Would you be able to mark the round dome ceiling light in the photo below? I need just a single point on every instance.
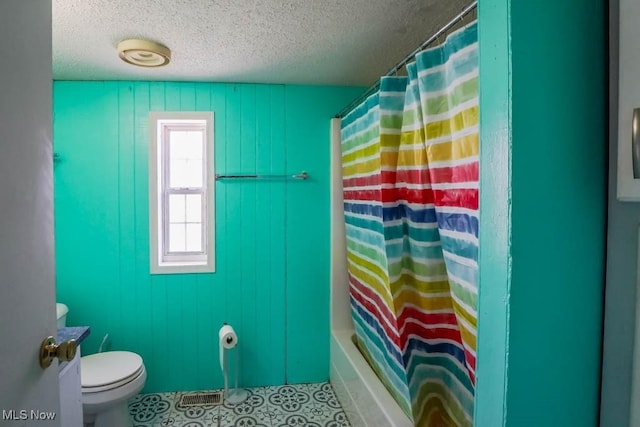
(143, 53)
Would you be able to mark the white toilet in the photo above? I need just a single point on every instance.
(109, 379)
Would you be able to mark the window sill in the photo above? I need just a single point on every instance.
(182, 268)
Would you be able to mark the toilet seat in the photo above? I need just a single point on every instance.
(109, 370)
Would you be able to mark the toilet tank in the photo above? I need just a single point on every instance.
(61, 314)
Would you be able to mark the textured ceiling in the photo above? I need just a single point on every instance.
(338, 42)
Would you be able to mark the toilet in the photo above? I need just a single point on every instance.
(108, 380)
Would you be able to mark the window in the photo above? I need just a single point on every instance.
(181, 192)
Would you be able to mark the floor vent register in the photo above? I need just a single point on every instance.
(201, 399)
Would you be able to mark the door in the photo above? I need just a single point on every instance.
(28, 393)
(629, 103)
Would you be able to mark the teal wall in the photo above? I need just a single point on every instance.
(272, 244)
(543, 204)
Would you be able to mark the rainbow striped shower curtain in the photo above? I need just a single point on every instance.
(410, 178)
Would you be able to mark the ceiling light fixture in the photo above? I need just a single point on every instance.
(144, 53)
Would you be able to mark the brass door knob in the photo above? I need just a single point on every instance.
(65, 351)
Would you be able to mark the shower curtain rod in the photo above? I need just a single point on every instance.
(346, 110)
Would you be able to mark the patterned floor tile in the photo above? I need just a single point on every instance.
(287, 398)
(325, 394)
(309, 405)
(305, 404)
(252, 412)
(339, 420)
(148, 409)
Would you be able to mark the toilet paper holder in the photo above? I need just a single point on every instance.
(228, 341)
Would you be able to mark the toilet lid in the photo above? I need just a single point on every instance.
(111, 368)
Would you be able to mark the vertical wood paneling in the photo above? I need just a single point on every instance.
(219, 288)
(160, 359)
(175, 326)
(247, 230)
(266, 231)
(124, 178)
(233, 208)
(111, 110)
(203, 308)
(140, 255)
(188, 369)
(308, 319)
(277, 234)
(269, 286)
(263, 199)
(104, 213)
(307, 230)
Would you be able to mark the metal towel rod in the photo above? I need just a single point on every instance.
(302, 175)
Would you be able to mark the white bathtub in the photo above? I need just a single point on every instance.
(364, 398)
(362, 395)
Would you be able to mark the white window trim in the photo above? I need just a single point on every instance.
(177, 266)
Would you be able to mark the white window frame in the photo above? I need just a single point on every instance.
(163, 261)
